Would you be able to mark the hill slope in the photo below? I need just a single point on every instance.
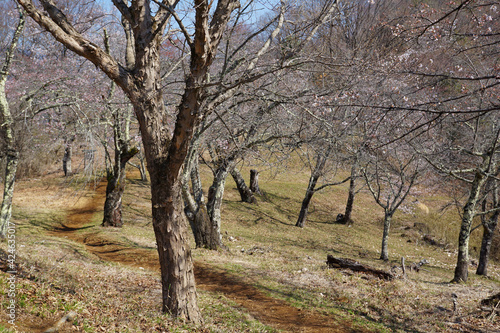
(271, 266)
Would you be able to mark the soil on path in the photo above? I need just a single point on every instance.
(270, 311)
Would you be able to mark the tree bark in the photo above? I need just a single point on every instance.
(68, 152)
(489, 226)
(195, 206)
(484, 254)
(461, 269)
(384, 253)
(315, 174)
(194, 175)
(206, 230)
(352, 193)
(8, 190)
(177, 275)
(7, 123)
(245, 193)
(254, 182)
(214, 204)
(115, 188)
(301, 221)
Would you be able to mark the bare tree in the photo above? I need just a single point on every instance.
(390, 176)
(165, 149)
(249, 119)
(471, 157)
(123, 152)
(166, 142)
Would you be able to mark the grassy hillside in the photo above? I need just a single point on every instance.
(59, 274)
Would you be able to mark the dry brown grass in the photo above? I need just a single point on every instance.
(267, 251)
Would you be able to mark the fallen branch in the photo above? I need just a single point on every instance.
(355, 266)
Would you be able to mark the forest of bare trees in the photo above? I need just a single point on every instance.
(397, 95)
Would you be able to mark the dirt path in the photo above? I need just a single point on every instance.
(270, 311)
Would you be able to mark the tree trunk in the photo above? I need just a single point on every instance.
(177, 275)
(194, 174)
(206, 231)
(195, 206)
(489, 226)
(245, 193)
(352, 192)
(488, 232)
(113, 204)
(165, 156)
(214, 205)
(8, 191)
(461, 270)
(301, 221)
(114, 190)
(384, 254)
(6, 125)
(254, 182)
(122, 154)
(67, 160)
(169, 223)
(142, 167)
(315, 174)
(201, 227)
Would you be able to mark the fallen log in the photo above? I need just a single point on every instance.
(491, 301)
(355, 266)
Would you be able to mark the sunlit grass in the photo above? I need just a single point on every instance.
(265, 250)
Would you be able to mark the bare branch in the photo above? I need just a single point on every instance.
(172, 11)
(263, 49)
(332, 184)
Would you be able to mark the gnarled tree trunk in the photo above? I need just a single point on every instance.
(165, 150)
(206, 234)
(122, 154)
(245, 193)
(461, 269)
(115, 188)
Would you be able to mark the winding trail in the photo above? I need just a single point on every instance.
(270, 311)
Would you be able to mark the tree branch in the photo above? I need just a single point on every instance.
(332, 184)
(63, 32)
